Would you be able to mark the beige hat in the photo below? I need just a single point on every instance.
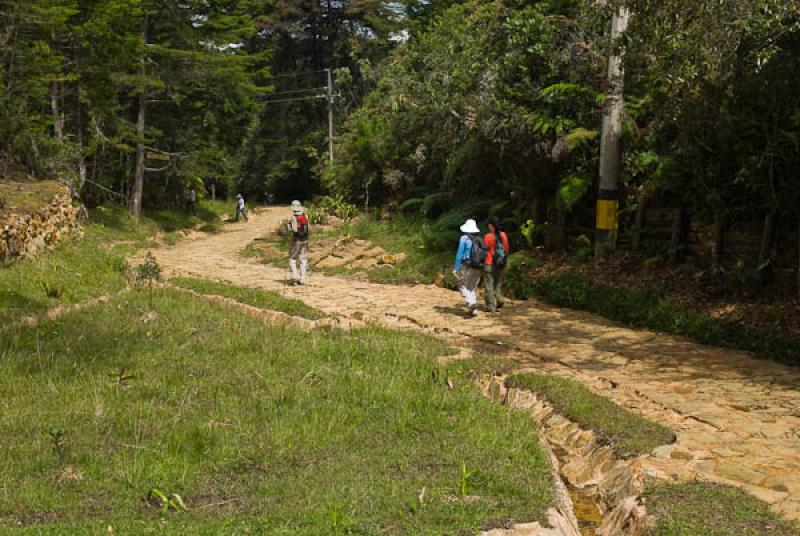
(470, 227)
(297, 207)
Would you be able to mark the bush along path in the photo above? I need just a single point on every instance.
(736, 418)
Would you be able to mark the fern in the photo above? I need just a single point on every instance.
(412, 205)
(580, 137)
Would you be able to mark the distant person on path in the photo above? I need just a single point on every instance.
(469, 261)
(298, 227)
(497, 252)
(241, 208)
(270, 199)
(191, 201)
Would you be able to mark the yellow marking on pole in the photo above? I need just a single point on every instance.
(607, 215)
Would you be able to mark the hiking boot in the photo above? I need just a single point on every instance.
(500, 305)
(491, 310)
(473, 311)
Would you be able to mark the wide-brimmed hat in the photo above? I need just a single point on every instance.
(470, 227)
(297, 207)
(238, 196)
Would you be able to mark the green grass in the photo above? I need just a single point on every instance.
(423, 264)
(629, 434)
(648, 309)
(256, 427)
(208, 213)
(28, 196)
(263, 299)
(698, 509)
(85, 268)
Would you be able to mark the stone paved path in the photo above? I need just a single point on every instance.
(737, 418)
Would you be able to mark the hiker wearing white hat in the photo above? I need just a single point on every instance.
(241, 208)
(467, 268)
(299, 248)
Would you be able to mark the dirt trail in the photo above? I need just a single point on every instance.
(737, 418)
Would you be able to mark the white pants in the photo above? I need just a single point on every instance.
(299, 249)
(469, 278)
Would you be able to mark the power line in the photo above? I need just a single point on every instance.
(301, 73)
(315, 97)
(294, 91)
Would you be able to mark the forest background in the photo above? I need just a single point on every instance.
(442, 108)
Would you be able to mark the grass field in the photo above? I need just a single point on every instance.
(698, 509)
(258, 429)
(92, 266)
(263, 299)
(629, 434)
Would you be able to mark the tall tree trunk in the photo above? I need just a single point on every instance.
(139, 169)
(641, 209)
(608, 199)
(680, 234)
(55, 105)
(765, 247)
(718, 247)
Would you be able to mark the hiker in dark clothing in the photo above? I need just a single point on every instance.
(191, 201)
(497, 252)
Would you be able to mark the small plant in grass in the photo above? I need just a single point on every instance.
(58, 439)
(166, 502)
(121, 379)
(147, 274)
(465, 476)
(50, 289)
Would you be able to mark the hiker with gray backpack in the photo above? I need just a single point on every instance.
(497, 252)
(470, 258)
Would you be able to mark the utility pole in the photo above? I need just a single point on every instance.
(330, 115)
(610, 152)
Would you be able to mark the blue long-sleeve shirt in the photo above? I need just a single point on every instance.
(464, 252)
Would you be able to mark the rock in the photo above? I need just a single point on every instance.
(726, 453)
(663, 452)
(783, 483)
(26, 235)
(331, 262)
(374, 252)
(738, 473)
(366, 263)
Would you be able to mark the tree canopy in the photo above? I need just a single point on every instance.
(496, 100)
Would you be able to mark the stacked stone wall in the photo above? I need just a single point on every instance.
(27, 234)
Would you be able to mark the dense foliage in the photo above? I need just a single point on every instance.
(503, 100)
(436, 104)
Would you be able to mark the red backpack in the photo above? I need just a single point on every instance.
(302, 227)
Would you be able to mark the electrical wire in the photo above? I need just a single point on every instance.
(301, 73)
(295, 99)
